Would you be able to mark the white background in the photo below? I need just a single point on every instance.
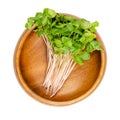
(104, 103)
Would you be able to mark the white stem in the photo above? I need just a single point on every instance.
(58, 69)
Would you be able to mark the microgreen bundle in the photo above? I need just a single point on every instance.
(69, 41)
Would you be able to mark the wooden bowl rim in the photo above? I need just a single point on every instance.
(46, 101)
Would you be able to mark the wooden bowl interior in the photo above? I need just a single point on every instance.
(31, 64)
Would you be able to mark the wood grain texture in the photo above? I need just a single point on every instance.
(30, 67)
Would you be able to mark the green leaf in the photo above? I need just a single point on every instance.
(92, 29)
(77, 45)
(50, 37)
(30, 22)
(54, 31)
(61, 25)
(78, 60)
(44, 20)
(83, 40)
(89, 48)
(53, 23)
(58, 50)
(40, 33)
(68, 43)
(64, 31)
(85, 55)
(84, 24)
(51, 13)
(77, 31)
(31, 19)
(70, 27)
(96, 45)
(58, 43)
(76, 23)
(95, 24)
(38, 23)
(68, 18)
(89, 36)
(39, 15)
(76, 52)
(72, 49)
(65, 39)
(65, 50)
(28, 25)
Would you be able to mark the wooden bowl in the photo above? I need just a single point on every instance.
(30, 68)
